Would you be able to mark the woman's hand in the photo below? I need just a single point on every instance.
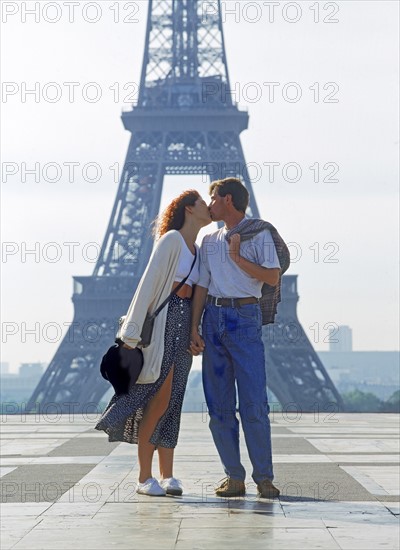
(126, 346)
(197, 344)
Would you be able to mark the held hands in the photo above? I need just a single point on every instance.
(234, 247)
(196, 343)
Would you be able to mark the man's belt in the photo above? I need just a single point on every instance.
(231, 302)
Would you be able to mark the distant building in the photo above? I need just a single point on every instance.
(4, 368)
(341, 339)
(376, 372)
(29, 370)
(17, 388)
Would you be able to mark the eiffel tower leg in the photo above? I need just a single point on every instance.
(295, 374)
(228, 161)
(60, 389)
(72, 382)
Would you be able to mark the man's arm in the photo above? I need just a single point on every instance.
(264, 274)
(198, 301)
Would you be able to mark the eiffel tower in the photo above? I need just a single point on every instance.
(184, 122)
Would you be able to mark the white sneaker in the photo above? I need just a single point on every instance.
(172, 486)
(151, 488)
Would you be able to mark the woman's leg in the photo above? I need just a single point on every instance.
(166, 459)
(152, 414)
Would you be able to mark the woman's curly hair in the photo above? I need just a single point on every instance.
(173, 216)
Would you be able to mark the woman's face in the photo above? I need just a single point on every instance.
(201, 211)
(217, 206)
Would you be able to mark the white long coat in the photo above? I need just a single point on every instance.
(154, 287)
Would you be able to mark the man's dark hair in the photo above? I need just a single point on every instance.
(233, 187)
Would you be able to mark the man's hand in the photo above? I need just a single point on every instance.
(196, 343)
(234, 247)
(269, 275)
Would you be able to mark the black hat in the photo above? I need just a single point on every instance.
(121, 367)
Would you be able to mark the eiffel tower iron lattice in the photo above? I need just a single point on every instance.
(184, 122)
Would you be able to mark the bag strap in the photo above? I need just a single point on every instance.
(176, 289)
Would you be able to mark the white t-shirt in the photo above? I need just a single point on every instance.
(184, 264)
(222, 276)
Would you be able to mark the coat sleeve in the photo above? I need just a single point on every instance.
(151, 290)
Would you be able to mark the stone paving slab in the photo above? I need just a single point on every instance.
(65, 486)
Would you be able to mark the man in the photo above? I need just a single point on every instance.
(231, 277)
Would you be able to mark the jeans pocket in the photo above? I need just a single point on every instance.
(250, 312)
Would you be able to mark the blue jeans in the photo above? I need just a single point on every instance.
(234, 351)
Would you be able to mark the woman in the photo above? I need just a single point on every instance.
(149, 414)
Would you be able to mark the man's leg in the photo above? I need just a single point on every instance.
(220, 393)
(247, 353)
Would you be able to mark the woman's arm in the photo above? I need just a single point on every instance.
(198, 301)
(150, 287)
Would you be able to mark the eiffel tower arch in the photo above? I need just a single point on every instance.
(184, 122)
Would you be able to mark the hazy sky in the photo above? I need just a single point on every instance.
(344, 76)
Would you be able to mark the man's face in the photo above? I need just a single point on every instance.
(216, 207)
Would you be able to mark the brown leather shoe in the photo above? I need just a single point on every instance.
(231, 488)
(266, 489)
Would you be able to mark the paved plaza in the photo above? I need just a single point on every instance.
(64, 486)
